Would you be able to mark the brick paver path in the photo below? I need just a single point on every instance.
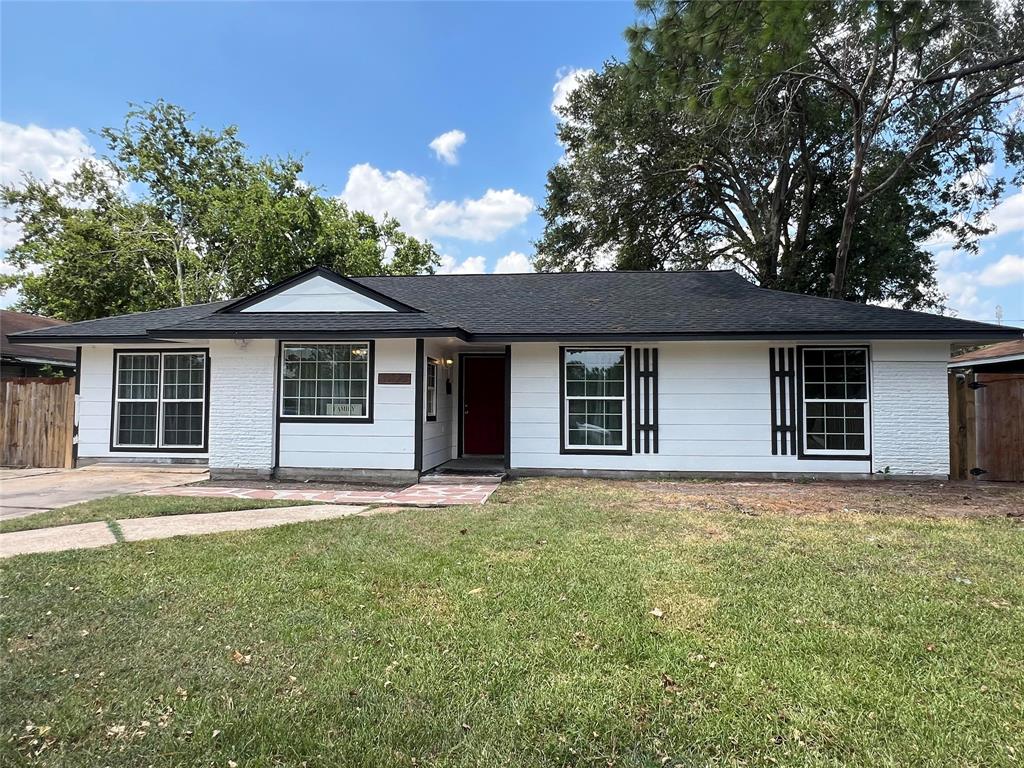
(421, 494)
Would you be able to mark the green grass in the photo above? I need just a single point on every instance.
(127, 506)
(520, 633)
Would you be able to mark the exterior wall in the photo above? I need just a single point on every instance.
(243, 395)
(387, 443)
(909, 397)
(715, 412)
(439, 436)
(94, 408)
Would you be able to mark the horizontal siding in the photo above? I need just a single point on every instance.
(94, 404)
(387, 443)
(439, 436)
(714, 414)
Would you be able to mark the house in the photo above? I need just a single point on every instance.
(31, 360)
(384, 378)
(1004, 357)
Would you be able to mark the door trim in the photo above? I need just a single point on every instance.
(462, 393)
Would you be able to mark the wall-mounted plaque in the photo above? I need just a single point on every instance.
(394, 378)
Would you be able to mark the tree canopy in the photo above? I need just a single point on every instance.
(177, 215)
(813, 146)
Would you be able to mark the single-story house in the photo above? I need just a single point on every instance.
(31, 360)
(385, 378)
(1004, 357)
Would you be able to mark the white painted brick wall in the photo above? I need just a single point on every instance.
(242, 401)
(910, 416)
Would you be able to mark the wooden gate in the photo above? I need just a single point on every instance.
(986, 421)
(37, 420)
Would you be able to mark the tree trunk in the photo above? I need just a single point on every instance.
(836, 291)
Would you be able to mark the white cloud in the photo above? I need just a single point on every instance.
(1008, 216)
(1009, 269)
(568, 81)
(48, 155)
(474, 265)
(446, 146)
(407, 198)
(513, 262)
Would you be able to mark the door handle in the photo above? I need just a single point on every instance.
(465, 410)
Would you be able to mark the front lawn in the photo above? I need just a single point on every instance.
(130, 505)
(562, 623)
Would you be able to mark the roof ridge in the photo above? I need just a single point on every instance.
(550, 274)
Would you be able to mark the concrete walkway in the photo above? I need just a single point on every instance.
(90, 535)
(25, 492)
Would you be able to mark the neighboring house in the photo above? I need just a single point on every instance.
(31, 360)
(607, 372)
(1005, 357)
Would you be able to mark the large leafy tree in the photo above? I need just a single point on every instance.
(176, 215)
(730, 137)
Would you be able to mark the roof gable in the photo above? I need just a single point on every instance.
(317, 290)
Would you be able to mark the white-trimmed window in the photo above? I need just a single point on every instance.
(160, 400)
(595, 399)
(431, 389)
(326, 381)
(836, 419)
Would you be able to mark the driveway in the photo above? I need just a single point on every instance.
(28, 491)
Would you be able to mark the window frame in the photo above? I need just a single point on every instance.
(115, 401)
(430, 392)
(626, 449)
(370, 383)
(803, 452)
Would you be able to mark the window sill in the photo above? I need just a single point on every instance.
(596, 451)
(325, 419)
(825, 456)
(158, 449)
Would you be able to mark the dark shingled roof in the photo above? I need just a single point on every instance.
(681, 305)
(16, 322)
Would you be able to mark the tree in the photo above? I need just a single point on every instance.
(654, 187)
(176, 215)
(918, 90)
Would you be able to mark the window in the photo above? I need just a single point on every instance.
(431, 390)
(594, 409)
(835, 401)
(160, 400)
(326, 381)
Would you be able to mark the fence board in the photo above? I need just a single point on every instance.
(36, 422)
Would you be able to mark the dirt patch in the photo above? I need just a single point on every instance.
(872, 497)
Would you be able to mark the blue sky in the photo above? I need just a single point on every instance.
(361, 91)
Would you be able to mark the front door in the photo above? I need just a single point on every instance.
(483, 406)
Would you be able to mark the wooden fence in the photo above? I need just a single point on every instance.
(986, 426)
(37, 422)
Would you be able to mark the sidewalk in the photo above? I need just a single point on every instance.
(91, 535)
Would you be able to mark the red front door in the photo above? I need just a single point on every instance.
(483, 406)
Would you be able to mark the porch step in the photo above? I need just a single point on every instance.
(458, 478)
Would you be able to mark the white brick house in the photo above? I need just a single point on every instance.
(385, 378)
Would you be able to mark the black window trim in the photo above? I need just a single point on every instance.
(371, 381)
(563, 449)
(825, 455)
(204, 448)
